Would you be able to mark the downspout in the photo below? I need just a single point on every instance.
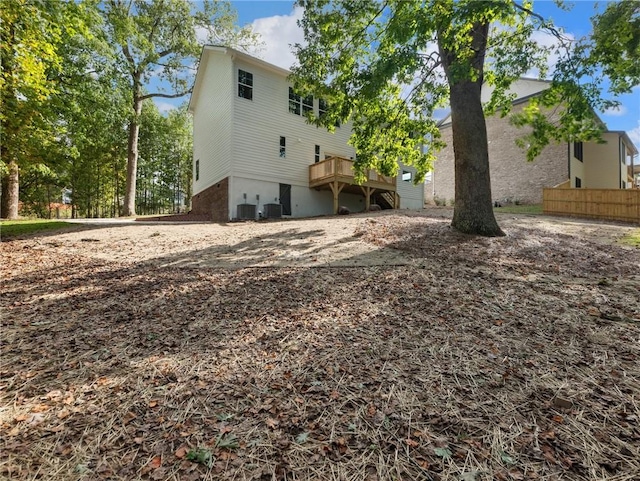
(620, 160)
(569, 161)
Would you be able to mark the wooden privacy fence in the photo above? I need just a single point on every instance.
(607, 204)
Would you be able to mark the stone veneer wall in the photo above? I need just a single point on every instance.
(213, 201)
(512, 177)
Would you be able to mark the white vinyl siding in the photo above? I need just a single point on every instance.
(212, 121)
(411, 196)
(258, 126)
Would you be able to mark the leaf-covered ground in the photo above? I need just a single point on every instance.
(461, 358)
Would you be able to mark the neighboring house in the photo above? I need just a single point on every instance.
(569, 164)
(255, 153)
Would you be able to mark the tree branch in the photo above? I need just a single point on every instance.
(166, 96)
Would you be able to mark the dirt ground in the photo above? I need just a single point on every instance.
(324, 241)
(366, 347)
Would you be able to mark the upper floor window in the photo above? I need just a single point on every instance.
(294, 102)
(245, 84)
(283, 147)
(307, 104)
(317, 154)
(198, 169)
(322, 107)
(407, 176)
(577, 150)
(299, 105)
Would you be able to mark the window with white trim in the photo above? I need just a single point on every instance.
(407, 175)
(283, 147)
(245, 84)
(317, 154)
(299, 105)
(294, 102)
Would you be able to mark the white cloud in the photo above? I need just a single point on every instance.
(618, 111)
(545, 39)
(279, 33)
(164, 106)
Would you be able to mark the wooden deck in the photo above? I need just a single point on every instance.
(336, 174)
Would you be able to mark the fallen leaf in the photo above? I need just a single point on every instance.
(181, 452)
(155, 462)
(411, 443)
(272, 423)
(64, 414)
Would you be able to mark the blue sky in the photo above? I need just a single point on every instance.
(276, 23)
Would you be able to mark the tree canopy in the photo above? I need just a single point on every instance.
(163, 39)
(389, 65)
(615, 44)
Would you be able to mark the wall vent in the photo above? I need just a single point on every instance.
(273, 211)
(246, 211)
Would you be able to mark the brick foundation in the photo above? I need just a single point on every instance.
(213, 201)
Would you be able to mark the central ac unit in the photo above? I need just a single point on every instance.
(247, 211)
(272, 211)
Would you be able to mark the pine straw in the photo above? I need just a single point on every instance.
(511, 358)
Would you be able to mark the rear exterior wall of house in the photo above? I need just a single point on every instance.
(512, 177)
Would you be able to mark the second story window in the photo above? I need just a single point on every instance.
(577, 150)
(407, 176)
(283, 147)
(299, 105)
(245, 84)
(317, 154)
(322, 108)
(198, 169)
(294, 102)
(307, 104)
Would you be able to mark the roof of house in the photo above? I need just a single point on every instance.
(233, 53)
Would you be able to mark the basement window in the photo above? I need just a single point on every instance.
(245, 84)
(317, 154)
(283, 147)
(407, 176)
(198, 169)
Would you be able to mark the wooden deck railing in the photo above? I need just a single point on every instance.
(341, 169)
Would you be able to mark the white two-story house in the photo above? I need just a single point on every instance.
(254, 153)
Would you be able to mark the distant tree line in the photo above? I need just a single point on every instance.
(77, 117)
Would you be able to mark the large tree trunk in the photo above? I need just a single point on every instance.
(10, 190)
(473, 211)
(129, 207)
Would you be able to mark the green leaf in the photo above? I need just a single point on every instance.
(302, 438)
(444, 453)
(506, 459)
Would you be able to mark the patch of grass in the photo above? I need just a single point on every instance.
(13, 228)
(631, 239)
(520, 209)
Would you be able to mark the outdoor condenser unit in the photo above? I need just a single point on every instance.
(272, 211)
(246, 211)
